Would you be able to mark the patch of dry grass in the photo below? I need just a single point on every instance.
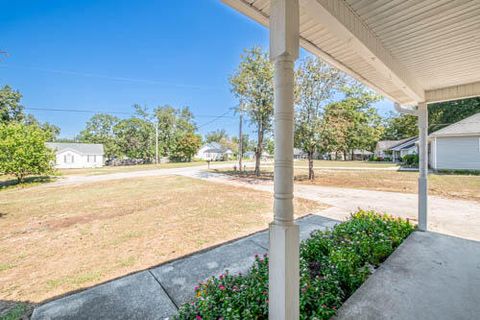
(465, 187)
(346, 164)
(57, 239)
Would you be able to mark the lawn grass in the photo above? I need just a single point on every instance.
(56, 239)
(465, 187)
(15, 313)
(346, 164)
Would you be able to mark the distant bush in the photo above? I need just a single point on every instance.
(459, 172)
(333, 264)
(410, 160)
(379, 159)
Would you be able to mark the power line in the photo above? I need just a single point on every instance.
(77, 110)
(216, 117)
(109, 77)
(213, 120)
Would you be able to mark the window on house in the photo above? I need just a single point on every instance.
(68, 158)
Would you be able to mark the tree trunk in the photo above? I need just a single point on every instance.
(311, 174)
(20, 179)
(344, 155)
(258, 152)
(240, 143)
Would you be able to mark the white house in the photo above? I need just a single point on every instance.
(403, 148)
(299, 154)
(213, 151)
(383, 148)
(457, 146)
(249, 155)
(77, 155)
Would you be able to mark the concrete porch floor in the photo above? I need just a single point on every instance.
(430, 276)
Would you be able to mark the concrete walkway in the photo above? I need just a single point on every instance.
(429, 277)
(156, 293)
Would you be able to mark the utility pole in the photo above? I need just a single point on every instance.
(240, 141)
(156, 142)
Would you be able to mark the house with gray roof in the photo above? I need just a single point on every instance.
(456, 146)
(383, 148)
(77, 155)
(214, 151)
(403, 148)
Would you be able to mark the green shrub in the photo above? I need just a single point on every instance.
(333, 264)
(16, 313)
(465, 172)
(410, 160)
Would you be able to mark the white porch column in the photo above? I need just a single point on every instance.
(284, 233)
(423, 166)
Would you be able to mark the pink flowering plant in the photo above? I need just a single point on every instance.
(333, 264)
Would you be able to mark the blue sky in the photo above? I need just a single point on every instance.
(107, 55)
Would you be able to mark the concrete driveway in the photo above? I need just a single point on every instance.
(454, 217)
(79, 179)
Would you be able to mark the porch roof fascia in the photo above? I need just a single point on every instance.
(342, 21)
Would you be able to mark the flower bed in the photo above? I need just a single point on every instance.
(333, 264)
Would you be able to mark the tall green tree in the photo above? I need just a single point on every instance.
(186, 147)
(166, 117)
(367, 123)
(11, 110)
(134, 138)
(445, 113)
(173, 125)
(440, 115)
(352, 123)
(316, 83)
(99, 129)
(252, 84)
(400, 127)
(247, 143)
(10, 107)
(52, 131)
(23, 151)
(219, 136)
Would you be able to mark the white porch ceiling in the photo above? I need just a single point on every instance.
(410, 51)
